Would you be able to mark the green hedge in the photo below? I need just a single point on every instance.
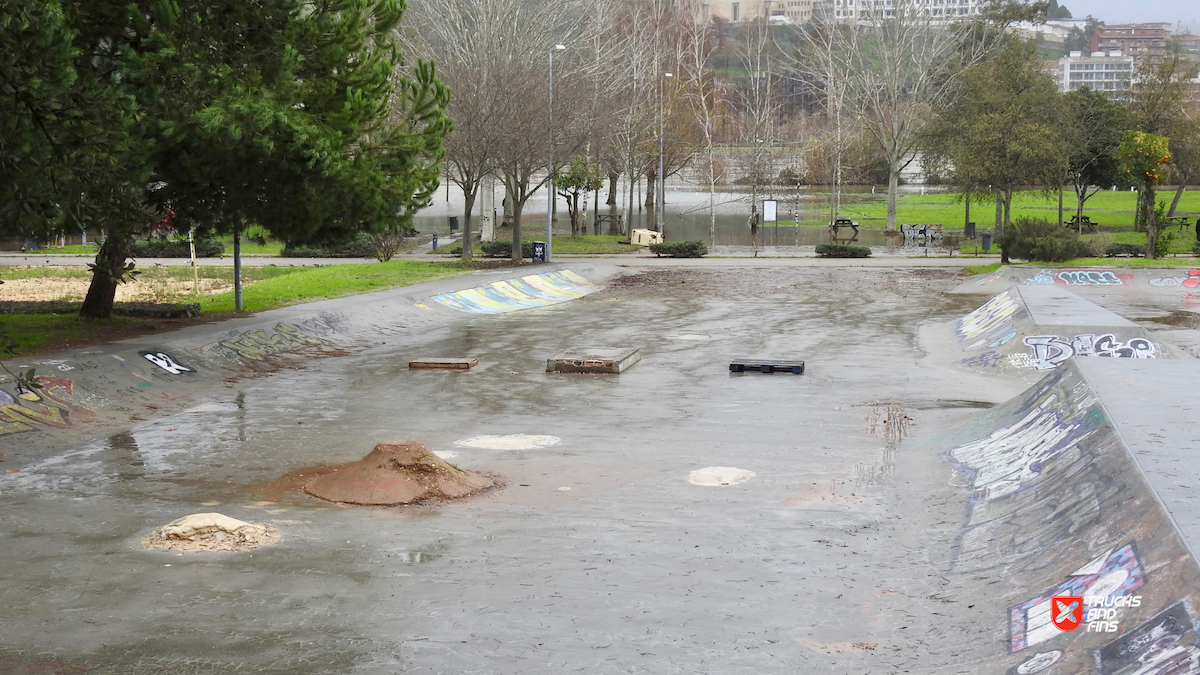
(682, 249)
(362, 246)
(500, 249)
(842, 251)
(175, 248)
(1041, 240)
(1125, 249)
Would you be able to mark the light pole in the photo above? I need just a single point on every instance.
(550, 166)
(662, 193)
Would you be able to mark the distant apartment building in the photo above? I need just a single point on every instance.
(850, 10)
(800, 11)
(1145, 42)
(1109, 72)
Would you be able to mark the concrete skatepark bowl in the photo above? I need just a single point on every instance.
(891, 510)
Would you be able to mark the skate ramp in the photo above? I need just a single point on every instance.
(1024, 332)
(509, 295)
(134, 379)
(1168, 285)
(1082, 486)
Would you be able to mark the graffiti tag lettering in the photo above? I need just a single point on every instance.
(1010, 456)
(164, 361)
(1089, 278)
(1192, 280)
(993, 314)
(1043, 278)
(259, 344)
(1050, 351)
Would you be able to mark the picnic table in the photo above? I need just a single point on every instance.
(835, 231)
(1084, 222)
(1182, 221)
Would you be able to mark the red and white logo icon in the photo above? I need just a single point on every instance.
(1066, 611)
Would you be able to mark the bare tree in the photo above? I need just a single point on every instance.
(706, 97)
(899, 62)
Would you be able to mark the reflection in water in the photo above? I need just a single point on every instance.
(125, 447)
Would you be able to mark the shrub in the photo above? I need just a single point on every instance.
(1163, 245)
(1125, 249)
(842, 251)
(503, 249)
(683, 249)
(175, 248)
(362, 246)
(1039, 239)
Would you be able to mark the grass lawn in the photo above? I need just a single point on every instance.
(306, 284)
(34, 333)
(269, 288)
(1110, 210)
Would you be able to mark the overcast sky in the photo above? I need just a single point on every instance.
(1139, 11)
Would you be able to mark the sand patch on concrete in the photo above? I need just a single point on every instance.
(211, 532)
(394, 473)
(509, 442)
(719, 476)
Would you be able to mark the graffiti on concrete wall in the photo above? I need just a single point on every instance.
(49, 406)
(1078, 278)
(1040, 457)
(1190, 280)
(1156, 647)
(918, 236)
(164, 361)
(1089, 278)
(1111, 574)
(991, 325)
(1050, 351)
(1036, 663)
(260, 344)
(1013, 455)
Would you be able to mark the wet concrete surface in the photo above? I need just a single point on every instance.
(832, 558)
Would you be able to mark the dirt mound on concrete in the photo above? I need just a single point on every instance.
(211, 532)
(397, 472)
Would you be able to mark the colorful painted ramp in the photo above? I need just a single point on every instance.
(510, 295)
(1026, 331)
(1059, 505)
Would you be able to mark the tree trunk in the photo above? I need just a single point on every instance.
(468, 207)
(893, 188)
(107, 273)
(517, 208)
(1178, 195)
(999, 226)
(651, 190)
(613, 177)
(1060, 205)
(1008, 194)
(1151, 225)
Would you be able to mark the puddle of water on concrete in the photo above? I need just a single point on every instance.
(1176, 319)
(944, 403)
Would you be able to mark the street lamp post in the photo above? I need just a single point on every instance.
(662, 193)
(550, 166)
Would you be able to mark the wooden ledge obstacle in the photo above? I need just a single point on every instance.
(594, 360)
(766, 366)
(443, 364)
